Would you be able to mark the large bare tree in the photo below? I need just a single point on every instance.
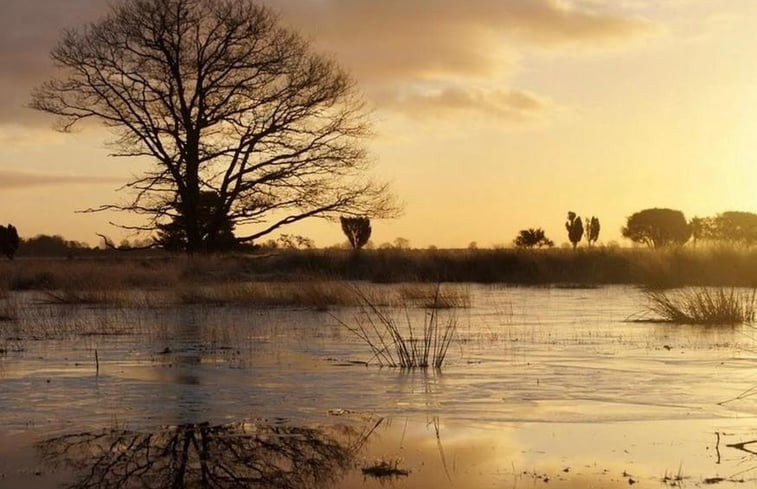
(226, 102)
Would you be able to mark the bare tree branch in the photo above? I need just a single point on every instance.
(223, 100)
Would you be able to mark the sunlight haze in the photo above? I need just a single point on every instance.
(490, 116)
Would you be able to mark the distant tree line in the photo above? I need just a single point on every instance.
(536, 238)
(44, 245)
(668, 227)
(735, 227)
(655, 227)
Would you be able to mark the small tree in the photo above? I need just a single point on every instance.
(401, 243)
(529, 238)
(592, 230)
(357, 230)
(9, 240)
(657, 228)
(701, 228)
(575, 228)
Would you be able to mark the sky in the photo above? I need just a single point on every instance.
(490, 116)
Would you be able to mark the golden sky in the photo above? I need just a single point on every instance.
(490, 115)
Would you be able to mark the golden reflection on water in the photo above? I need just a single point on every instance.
(436, 455)
(561, 392)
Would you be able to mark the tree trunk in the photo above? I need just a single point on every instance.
(191, 200)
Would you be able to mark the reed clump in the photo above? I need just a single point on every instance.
(708, 306)
(402, 344)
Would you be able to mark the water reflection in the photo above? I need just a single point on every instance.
(239, 455)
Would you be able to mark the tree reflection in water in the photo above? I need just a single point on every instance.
(239, 455)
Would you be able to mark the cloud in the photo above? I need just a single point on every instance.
(386, 44)
(29, 30)
(25, 136)
(506, 105)
(394, 46)
(394, 38)
(10, 179)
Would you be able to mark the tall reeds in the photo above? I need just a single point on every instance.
(709, 306)
(402, 344)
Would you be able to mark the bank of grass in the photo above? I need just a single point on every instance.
(318, 295)
(707, 306)
(323, 294)
(583, 267)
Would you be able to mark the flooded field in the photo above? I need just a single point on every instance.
(542, 387)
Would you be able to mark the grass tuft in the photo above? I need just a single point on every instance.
(398, 344)
(709, 306)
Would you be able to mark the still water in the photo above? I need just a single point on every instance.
(542, 387)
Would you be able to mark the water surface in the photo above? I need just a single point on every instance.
(541, 386)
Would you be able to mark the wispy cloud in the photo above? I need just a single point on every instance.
(10, 179)
(506, 105)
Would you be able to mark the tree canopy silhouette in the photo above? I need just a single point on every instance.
(657, 227)
(222, 99)
(530, 238)
(736, 227)
(357, 230)
(9, 240)
(575, 228)
(592, 230)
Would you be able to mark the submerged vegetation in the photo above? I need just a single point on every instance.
(710, 306)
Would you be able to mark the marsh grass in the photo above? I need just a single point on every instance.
(322, 295)
(8, 306)
(86, 297)
(708, 306)
(672, 267)
(319, 295)
(8, 310)
(435, 296)
(396, 343)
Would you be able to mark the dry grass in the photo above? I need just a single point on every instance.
(88, 274)
(401, 344)
(711, 266)
(317, 295)
(708, 306)
(435, 296)
(323, 295)
(87, 297)
(9, 309)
